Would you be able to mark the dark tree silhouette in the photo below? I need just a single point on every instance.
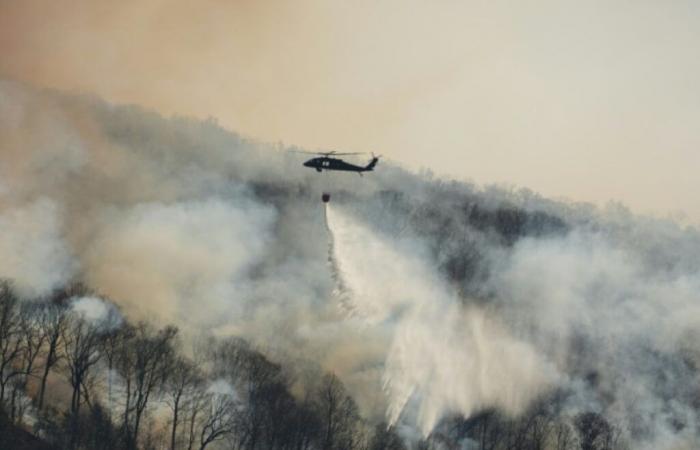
(10, 338)
(144, 364)
(182, 385)
(338, 413)
(53, 321)
(385, 438)
(595, 433)
(219, 421)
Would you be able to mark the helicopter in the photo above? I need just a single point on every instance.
(327, 162)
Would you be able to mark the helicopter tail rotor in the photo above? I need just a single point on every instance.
(373, 162)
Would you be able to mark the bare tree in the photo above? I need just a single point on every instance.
(250, 372)
(338, 412)
(595, 432)
(53, 320)
(219, 421)
(536, 426)
(490, 430)
(304, 427)
(81, 351)
(33, 341)
(144, 364)
(194, 410)
(81, 345)
(564, 436)
(10, 338)
(385, 438)
(279, 410)
(113, 341)
(181, 387)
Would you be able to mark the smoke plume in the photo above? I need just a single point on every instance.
(428, 298)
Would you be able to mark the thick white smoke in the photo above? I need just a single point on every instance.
(33, 254)
(192, 258)
(112, 198)
(97, 312)
(586, 286)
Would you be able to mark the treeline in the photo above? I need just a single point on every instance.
(80, 382)
(542, 427)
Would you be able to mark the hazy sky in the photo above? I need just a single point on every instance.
(593, 100)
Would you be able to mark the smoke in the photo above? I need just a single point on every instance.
(595, 308)
(97, 311)
(126, 202)
(427, 298)
(187, 253)
(33, 254)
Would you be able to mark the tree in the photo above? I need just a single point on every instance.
(194, 409)
(81, 351)
(278, 408)
(219, 421)
(338, 413)
(53, 321)
(304, 427)
(250, 373)
(595, 433)
(144, 364)
(81, 345)
(535, 427)
(113, 342)
(564, 435)
(10, 338)
(181, 387)
(385, 438)
(33, 339)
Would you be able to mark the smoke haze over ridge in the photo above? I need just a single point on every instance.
(569, 94)
(461, 299)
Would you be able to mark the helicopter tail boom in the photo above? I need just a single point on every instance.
(372, 163)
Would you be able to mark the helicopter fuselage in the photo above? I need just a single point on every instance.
(326, 163)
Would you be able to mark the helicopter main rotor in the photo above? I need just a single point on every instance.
(328, 154)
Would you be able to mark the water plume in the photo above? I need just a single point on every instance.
(443, 357)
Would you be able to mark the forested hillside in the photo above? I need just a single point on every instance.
(169, 284)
